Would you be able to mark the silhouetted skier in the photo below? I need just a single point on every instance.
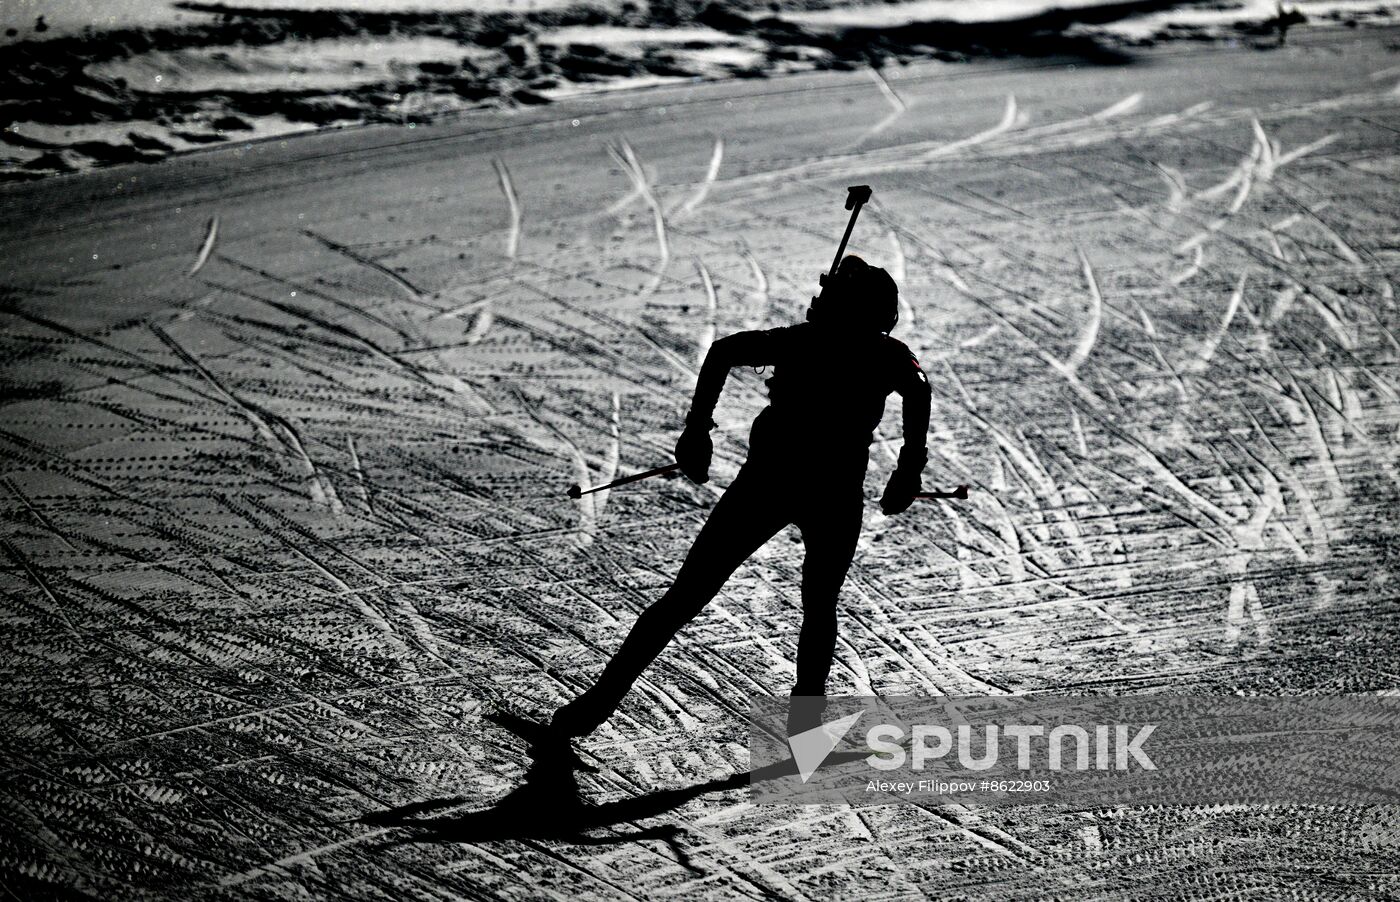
(808, 452)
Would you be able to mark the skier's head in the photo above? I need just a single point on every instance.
(859, 297)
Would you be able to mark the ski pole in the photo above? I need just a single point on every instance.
(577, 492)
(959, 493)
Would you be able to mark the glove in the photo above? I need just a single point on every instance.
(693, 450)
(904, 482)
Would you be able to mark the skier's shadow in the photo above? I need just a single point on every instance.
(548, 804)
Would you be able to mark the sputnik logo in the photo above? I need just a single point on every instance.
(811, 747)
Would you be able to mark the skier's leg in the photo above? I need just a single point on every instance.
(830, 534)
(745, 517)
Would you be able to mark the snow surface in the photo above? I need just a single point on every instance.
(288, 428)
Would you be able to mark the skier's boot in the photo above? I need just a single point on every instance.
(805, 713)
(579, 717)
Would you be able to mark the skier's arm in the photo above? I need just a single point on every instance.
(912, 386)
(740, 349)
(694, 448)
(905, 481)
